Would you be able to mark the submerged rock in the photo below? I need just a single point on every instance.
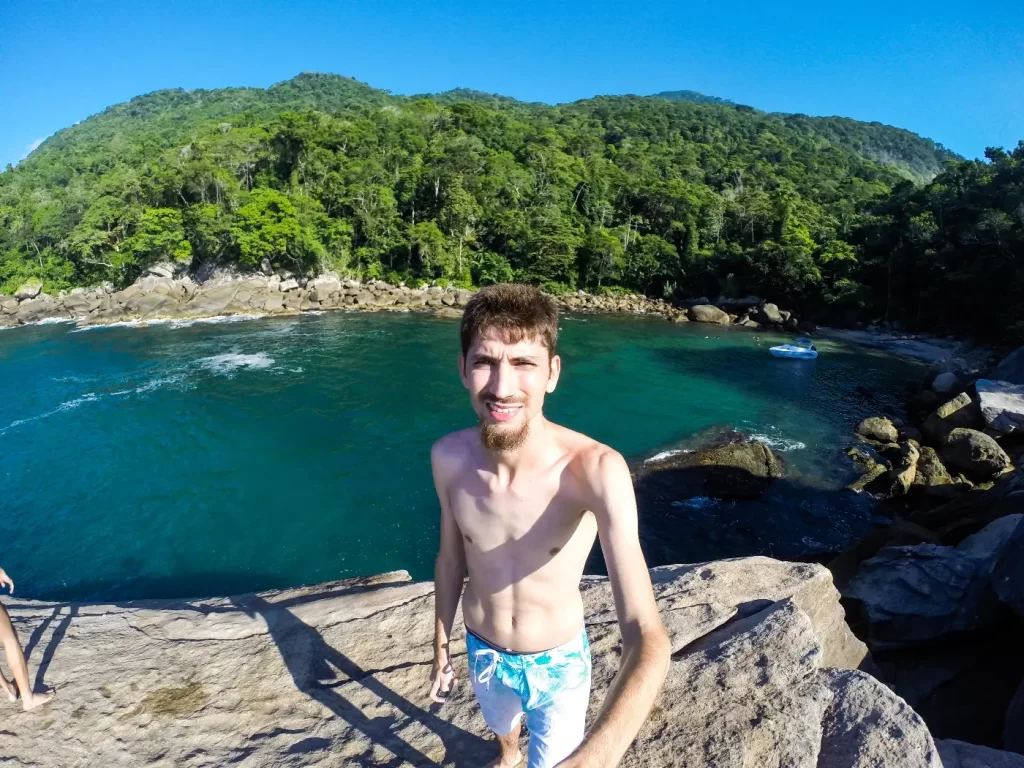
(740, 468)
(878, 429)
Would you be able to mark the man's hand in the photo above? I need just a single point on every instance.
(5, 580)
(442, 678)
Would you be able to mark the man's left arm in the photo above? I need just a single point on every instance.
(645, 644)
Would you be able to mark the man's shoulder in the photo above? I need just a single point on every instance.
(454, 446)
(590, 457)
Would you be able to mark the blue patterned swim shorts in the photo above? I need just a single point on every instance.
(551, 688)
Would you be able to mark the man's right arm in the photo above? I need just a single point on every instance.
(449, 574)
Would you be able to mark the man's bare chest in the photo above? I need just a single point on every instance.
(542, 517)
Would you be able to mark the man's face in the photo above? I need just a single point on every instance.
(507, 384)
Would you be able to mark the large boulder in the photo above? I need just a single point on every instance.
(975, 453)
(768, 314)
(706, 313)
(911, 594)
(739, 468)
(960, 754)
(8, 305)
(1011, 369)
(42, 308)
(338, 673)
(1008, 574)
(29, 290)
(869, 726)
(878, 429)
(322, 288)
(1002, 405)
(960, 412)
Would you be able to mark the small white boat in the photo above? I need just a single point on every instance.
(800, 349)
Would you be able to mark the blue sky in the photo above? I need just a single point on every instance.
(952, 71)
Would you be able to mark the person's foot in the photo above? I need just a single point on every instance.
(35, 700)
(507, 762)
(12, 692)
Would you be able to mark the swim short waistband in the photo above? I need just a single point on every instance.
(509, 652)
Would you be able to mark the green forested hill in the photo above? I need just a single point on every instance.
(669, 197)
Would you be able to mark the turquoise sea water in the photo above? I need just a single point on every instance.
(218, 458)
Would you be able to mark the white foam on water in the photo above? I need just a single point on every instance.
(781, 444)
(666, 455)
(149, 386)
(54, 320)
(217, 319)
(808, 541)
(227, 364)
(88, 397)
(172, 322)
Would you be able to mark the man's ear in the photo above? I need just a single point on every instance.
(462, 371)
(556, 371)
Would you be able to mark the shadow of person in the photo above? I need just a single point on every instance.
(319, 670)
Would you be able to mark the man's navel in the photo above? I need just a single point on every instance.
(469, 538)
(554, 551)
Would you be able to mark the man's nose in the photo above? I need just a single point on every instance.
(503, 380)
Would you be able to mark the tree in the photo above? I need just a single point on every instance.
(159, 236)
(264, 227)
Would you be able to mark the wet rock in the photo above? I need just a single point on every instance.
(740, 468)
(42, 308)
(706, 313)
(449, 313)
(911, 594)
(29, 290)
(1002, 405)
(975, 453)
(878, 429)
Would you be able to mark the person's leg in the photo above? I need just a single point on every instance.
(16, 661)
(501, 706)
(557, 728)
(556, 711)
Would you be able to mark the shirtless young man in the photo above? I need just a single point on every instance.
(522, 500)
(16, 659)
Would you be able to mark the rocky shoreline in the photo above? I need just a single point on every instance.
(161, 294)
(765, 671)
(938, 595)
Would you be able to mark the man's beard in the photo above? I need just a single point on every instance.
(499, 437)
